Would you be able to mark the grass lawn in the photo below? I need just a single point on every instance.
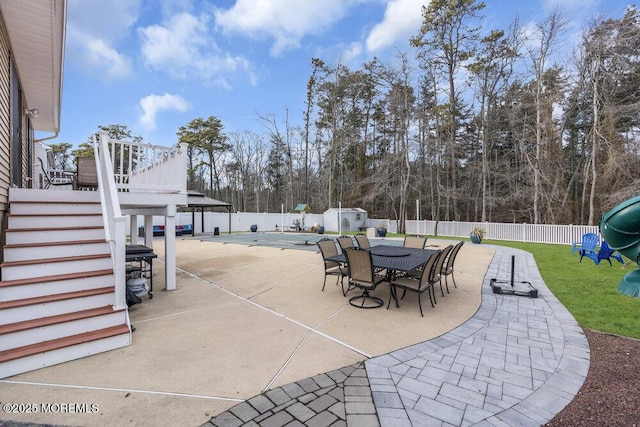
(587, 290)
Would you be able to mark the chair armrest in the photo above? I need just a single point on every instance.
(574, 248)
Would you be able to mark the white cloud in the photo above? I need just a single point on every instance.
(103, 57)
(286, 21)
(351, 53)
(183, 47)
(154, 104)
(402, 19)
(108, 20)
(569, 6)
(94, 30)
(176, 45)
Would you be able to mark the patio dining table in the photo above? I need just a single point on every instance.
(394, 259)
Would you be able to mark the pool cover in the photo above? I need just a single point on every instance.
(304, 241)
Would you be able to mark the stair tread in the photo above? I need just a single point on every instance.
(68, 202)
(59, 343)
(55, 297)
(60, 243)
(56, 215)
(75, 227)
(53, 320)
(55, 277)
(50, 260)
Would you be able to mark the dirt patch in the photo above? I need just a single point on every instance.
(610, 395)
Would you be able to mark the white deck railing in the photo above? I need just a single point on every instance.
(148, 168)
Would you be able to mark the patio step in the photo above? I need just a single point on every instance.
(58, 288)
(14, 270)
(59, 234)
(35, 356)
(42, 329)
(25, 309)
(11, 290)
(72, 248)
(53, 208)
(53, 220)
(22, 198)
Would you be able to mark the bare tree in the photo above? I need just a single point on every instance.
(540, 51)
(447, 40)
(491, 74)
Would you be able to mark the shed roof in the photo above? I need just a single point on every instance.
(346, 210)
(199, 200)
(302, 207)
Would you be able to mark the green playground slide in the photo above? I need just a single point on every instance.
(620, 227)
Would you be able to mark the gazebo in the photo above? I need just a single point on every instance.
(200, 201)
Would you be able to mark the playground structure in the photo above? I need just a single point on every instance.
(620, 227)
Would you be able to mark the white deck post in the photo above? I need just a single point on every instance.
(133, 229)
(148, 231)
(170, 247)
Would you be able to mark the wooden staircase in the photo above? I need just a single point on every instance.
(57, 288)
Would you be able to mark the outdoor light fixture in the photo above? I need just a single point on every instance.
(33, 112)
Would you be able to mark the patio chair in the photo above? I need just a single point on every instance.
(328, 249)
(415, 242)
(448, 266)
(587, 246)
(87, 178)
(56, 177)
(417, 284)
(363, 241)
(345, 242)
(437, 274)
(362, 275)
(605, 253)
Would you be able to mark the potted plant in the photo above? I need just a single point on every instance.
(382, 229)
(254, 227)
(477, 234)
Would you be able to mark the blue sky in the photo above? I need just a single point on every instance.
(154, 65)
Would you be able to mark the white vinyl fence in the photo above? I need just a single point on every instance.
(536, 233)
(273, 222)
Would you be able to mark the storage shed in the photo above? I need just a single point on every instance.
(345, 219)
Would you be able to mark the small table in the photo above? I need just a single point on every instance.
(143, 256)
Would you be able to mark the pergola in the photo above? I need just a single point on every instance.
(200, 201)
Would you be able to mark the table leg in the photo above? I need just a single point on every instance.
(151, 278)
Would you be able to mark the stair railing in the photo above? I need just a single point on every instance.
(114, 221)
(126, 166)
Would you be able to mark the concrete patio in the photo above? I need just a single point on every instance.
(247, 319)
